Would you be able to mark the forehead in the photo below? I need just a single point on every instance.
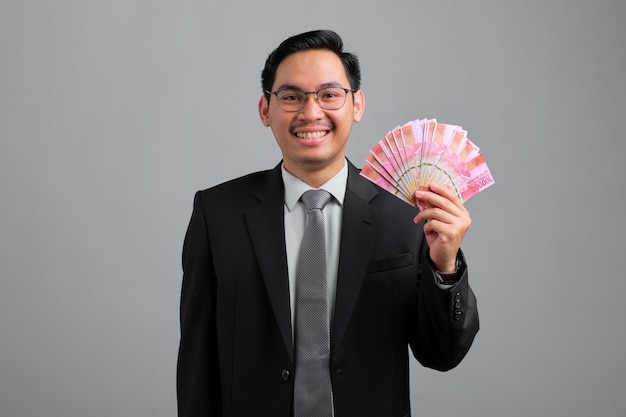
(310, 70)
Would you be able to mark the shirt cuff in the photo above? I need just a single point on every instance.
(446, 280)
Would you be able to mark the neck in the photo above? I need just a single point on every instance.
(314, 176)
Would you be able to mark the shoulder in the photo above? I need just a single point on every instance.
(241, 185)
(242, 191)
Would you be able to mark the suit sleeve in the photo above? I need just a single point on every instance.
(447, 319)
(197, 379)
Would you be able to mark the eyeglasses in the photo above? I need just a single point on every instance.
(294, 99)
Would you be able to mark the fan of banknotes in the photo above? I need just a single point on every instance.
(422, 152)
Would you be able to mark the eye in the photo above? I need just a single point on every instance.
(290, 96)
(330, 94)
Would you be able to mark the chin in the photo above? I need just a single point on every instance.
(321, 161)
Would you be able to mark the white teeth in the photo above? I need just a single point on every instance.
(310, 135)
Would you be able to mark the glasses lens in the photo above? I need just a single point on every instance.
(331, 98)
(291, 100)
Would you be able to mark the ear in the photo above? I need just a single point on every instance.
(358, 105)
(264, 110)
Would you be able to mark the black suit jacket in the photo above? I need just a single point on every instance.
(236, 353)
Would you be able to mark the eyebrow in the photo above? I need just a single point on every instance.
(295, 87)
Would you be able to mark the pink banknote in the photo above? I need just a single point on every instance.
(422, 152)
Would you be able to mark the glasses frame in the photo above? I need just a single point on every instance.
(306, 93)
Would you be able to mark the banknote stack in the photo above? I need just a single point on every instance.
(422, 152)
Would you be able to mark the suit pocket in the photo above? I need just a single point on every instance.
(391, 263)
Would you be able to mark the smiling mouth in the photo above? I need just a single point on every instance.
(311, 135)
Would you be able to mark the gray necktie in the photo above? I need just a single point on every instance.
(312, 388)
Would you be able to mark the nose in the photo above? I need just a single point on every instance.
(312, 109)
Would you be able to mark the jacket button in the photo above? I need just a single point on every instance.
(285, 374)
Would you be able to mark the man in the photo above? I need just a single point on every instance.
(396, 278)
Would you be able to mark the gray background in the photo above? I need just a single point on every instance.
(113, 113)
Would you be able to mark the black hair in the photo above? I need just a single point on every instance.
(317, 39)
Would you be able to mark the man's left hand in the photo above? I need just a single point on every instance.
(446, 222)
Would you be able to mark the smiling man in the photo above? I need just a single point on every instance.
(306, 286)
(312, 139)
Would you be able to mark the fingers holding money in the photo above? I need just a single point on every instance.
(446, 223)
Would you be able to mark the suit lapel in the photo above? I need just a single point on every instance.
(356, 247)
(266, 226)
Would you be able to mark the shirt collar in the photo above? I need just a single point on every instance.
(295, 187)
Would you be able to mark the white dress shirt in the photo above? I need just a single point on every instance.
(295, 222)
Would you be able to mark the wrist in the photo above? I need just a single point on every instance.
(448, 278)
(450, 269)
(450, 275)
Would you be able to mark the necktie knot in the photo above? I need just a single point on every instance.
(315, 199)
